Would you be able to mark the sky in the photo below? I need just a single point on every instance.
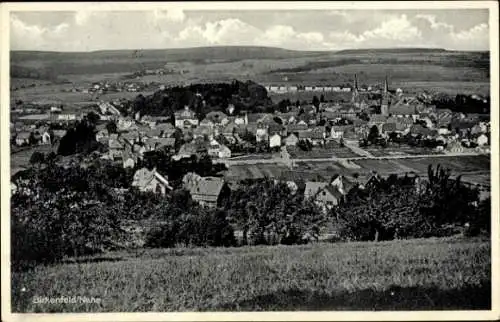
(457, 29)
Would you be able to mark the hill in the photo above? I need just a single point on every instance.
(429, 68)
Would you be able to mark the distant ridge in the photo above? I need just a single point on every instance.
(408, 50)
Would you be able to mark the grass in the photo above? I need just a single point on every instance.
(416, 274)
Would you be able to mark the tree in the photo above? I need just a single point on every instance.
(111, 127)
(322, 98)
(373, 134)
(93, 117)
(37, 158)
(316, 103)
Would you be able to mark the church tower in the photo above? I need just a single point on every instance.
(384, 106)
(355, 92)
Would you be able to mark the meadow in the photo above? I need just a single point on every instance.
(430, 274)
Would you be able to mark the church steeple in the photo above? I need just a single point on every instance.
(355, 94)
(386, 86)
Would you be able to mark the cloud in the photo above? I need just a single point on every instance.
(81, 17)
(25, 36)
(287, 37)
(397, 28)
(475, 38)
(221, 32)
(432, 20)
(476, 32)
(172, 15)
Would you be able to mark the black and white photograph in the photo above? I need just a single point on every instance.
(214, 158)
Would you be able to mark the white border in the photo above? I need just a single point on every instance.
(245, 316)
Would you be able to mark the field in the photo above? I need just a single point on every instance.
(476, 169)
(400, 275)
(329, 151)
(399, 150)
(21, 158)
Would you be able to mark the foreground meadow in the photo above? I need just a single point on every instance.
(399, 275)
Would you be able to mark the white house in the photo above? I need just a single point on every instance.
(274, 140)
(482, 140)
(46, 138)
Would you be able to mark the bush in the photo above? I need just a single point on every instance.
(201, 228)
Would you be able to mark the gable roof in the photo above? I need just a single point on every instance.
(23, 135)
(296, 127)
(419, 129)
(378, 118)
(389, 127)
(207, 188)
(215, 116)
(115, 144)
(312, 189)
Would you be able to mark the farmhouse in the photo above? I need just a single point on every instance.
(205, 190)
(323, 194)
(150, 181)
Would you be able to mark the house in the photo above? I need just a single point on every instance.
(228, 132)
(166, 129)
(185, 118)
(115, 148)
(159, 143)
(455, 147)
(261, 133)
(291, 140)
(189, 149)
(217, 117)
(23, 138)
(204, 190)
(274, 140)
(59, 133)
(150, 181)
(342, 184)
(45, 138)
(217, 150)
(295, 128)
(202, 131)
(323, 194)
(131, 137)
(207, 123)
(124, 124)
(129, 159)
(241, 120)
(316, 135)
(389, 128)
(102, 136)
(339, 131)
(482, 140)
(443, 130)
(419, 130)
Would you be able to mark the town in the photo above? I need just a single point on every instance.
(172, 159)
(392, 127)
